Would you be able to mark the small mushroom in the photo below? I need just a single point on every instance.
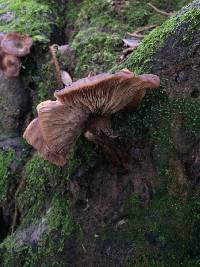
(86, 106)
(16, 44)
(10, 65)
(33, 136)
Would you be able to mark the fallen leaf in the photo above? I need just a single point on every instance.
(131, 42)
(66, 78)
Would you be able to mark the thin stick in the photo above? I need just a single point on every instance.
(53, 48)
(161, 12)
(137, 33)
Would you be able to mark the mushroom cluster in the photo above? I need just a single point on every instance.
(13, 46)
(85, 106)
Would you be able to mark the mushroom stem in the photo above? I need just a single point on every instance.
(101, 124)
(99, 132)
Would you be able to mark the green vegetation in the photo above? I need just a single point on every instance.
(58, 225)
(27, 17)
(45, 203)
(97, 51)
(6, 177)
(189, 109)
(97, 38)
(100, 27)
(140, 60)
(170, 225)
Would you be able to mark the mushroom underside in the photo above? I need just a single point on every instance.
(86, 106)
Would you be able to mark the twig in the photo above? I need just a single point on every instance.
(161, 12)
(126, 51)
(138, 33)
(53, 48)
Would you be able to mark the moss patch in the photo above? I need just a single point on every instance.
(189, 109)
(6, 176)
(139, 61)
(96, 51)
(28, 17)
(101, 25)
(166, 231)
(51, 248)
(97, 45)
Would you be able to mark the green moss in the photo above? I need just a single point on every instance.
(100, 30)
(51, 248)
(44, 178)
(45, 186)
(83, 155)
(29, 17)
(110, 16)
(44, 80)
(98, 45)
(41, 177)
(175, 225)
(6, 159)
(155, 40)
(96, 51)
(73, 9)
(189, 110)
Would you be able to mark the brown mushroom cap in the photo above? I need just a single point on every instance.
(150, 80)
(33, 136)
(106, 93)
(10, 66)
(61, 122)
(16, 44)
(61, 125)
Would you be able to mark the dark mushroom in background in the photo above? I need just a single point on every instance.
(10, 66)
(16, 44)
(12, 46)
(86, 106)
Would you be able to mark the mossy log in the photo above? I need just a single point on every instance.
(92, 213)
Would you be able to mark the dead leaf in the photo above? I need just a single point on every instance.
(131, 42)
(66, 78)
